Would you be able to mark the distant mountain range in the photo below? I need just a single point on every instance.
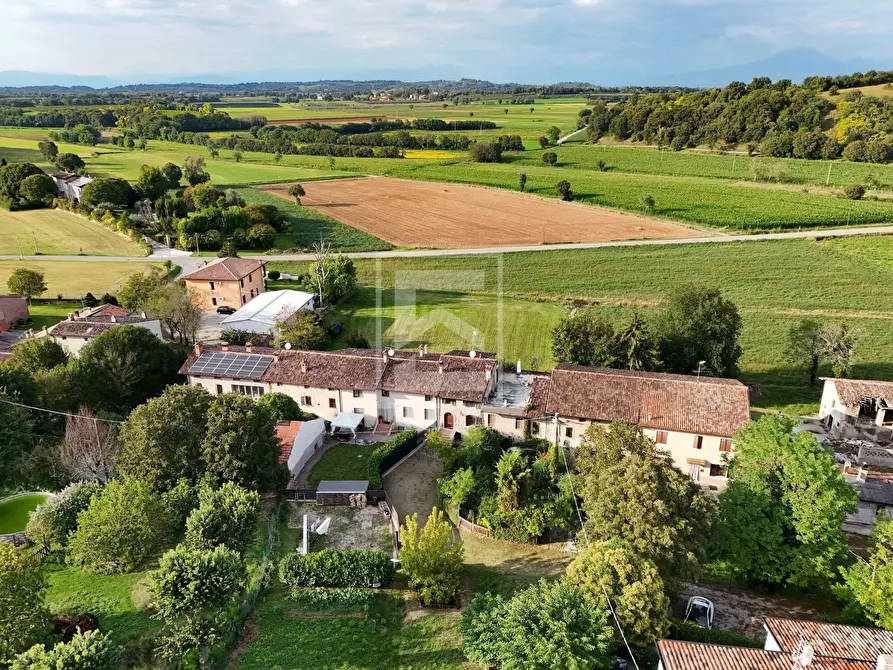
(794, 64)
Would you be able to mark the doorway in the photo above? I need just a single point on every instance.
(447, 420)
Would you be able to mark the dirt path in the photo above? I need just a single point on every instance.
(412, 485)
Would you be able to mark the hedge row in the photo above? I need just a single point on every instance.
(333, 567)
(373, 465)
(692, 632)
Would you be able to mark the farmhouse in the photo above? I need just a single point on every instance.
(858, 409)
(790, 643)
(81, 327)
(693, 419)
(13, 309)
(230, 282)
(261, 314)
(70, 186)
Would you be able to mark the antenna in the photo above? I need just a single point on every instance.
(288, 345)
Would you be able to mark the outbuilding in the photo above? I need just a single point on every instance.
(261, 314)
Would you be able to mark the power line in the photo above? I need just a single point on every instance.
(570, 481)
(52, 411)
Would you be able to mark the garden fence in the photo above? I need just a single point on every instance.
(465, 524)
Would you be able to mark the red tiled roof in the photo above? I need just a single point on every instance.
(347, 369)
(851, 391)
(706, 405)
(678, 655)
(832, 639)
(286, 432)
(107, 311)
(225, 269)
(81, 328)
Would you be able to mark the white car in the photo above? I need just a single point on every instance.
(700, 611)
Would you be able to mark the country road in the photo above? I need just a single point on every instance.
(189, 263)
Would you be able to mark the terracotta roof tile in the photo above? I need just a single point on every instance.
(851, 391)
(286, 432)
(347, 369)
(832, 639)
(225, 269)
(705, 405)
(678, 655)
(81, 328)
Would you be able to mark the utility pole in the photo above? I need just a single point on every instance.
(196, 244)
(828, 180)
(36, 250)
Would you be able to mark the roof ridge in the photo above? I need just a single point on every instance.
(644, 374)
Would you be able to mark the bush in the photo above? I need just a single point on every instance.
(486, 152)
(550, 158)
(380, 452)
(692, 632)
(564, 190)
(109, 189)
(854, 191)
(333, 567)
(273, 275)
(51, 524)
(335, 600)
(226, 516)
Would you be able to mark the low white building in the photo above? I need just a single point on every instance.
(858, 409)
(70, 186)
(261, 314)
(86, 325)
(298, 441)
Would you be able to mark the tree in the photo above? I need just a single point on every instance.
(194, 170)
(332, 277)
(237, 156)
(112, 190)
(178, 308)
(281, 407)
(697, 324)
(871, 582)
(553, 134)
(224, 516)
(24, 617)
(173, 174)
(513, 477)
(431, 559)
(547, 626)
(550, 157)
(139, 289)
(26, 282)
(11, 178)
(544, 142)
(358, 341)
(806, 347)
(457, 487)
(213, 151)
(631, 492)
(69, 162)
(194, 589)
(301, 330)
(564, 190)
(139, 365)
(296, 191)
(90, 448)
(152, 182)
(585, 338)
(522, 180)
(38, 189)
(647, 203)
(781, 514)
(240, 444)
(261, 236)
(53, 522)
(635, 347)
(37, 354)
(123, 525)
(163, 438)
(486, 152)
(839, 346)
(49, 150)
(277, 157)
(633, 584)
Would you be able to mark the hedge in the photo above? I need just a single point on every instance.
(380, 452)
(692, 632)
(334, 567)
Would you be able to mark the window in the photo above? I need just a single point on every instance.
(332, 403)
(718, 470)
(385, 394)
(250, 278)
(407, 412)
(534, 428)
(243, 300)
(694, 472)
(447, 401)
(214, 301)
(568, 431)
(429, 415)
(519, 424)
(699, 441)
(661, 437)
(241, 283)
(219, 389)
(357, 393)
(211, 285)
(253, 391)
(467, 403)
(306, 400)
(472, 420)
(725, 444)
(359, 410)
(429, 398)
(490, 420)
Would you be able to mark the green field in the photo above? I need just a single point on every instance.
(14, 513)
(73, 279)
(774, 284)
(57, 232)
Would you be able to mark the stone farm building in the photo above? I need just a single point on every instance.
(85, 325)
(13, 310)
(858, 409)
(70, 186)
(229, 282)
(693, 419)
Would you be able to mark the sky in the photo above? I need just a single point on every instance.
(529, 41)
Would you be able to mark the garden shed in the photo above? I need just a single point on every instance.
(348, 493)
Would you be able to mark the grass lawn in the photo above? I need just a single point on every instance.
(341, 461)
(56, 232)
(50, 313)
(14, 513)
(72, 279)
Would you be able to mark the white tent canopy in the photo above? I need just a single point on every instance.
(347, 421)
(309, 438)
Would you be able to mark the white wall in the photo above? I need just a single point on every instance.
(73, 345)
(310, 437)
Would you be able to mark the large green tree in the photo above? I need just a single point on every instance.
(781, 514)
(117, 192)
(152, 182)
(806, 347)
(431, 558)
(139, 289)
(11, 178)
(633, 492)
(584, 338)
(240, 444)
(24, 619)
(69, 162)
(53, 522)
(37, 190)
(282, 407)
(163, 437)
(37, 354)
(697, 324)
(302, 330)
(633, 583)
(27, 282)
(224, 516)
(871, 582)
(548, 626)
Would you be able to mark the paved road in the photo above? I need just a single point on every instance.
(189, 263)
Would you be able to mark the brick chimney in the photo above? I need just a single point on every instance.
(805, 656)
(224, 347)
(304, 367)
(114, 320)
(248, 347)
(198, 348)
(885, 662)
(440, 367)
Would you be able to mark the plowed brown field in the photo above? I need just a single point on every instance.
(430, 214)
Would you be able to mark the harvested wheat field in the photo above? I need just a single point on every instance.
(431, 214)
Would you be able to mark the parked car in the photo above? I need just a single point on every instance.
(700, 611)
(224, 309)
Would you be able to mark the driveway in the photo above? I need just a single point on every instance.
(210, 328)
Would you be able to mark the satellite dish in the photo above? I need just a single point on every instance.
(288, 345)
(472, 353)
(390, 352)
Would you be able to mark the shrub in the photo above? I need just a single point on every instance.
(692, 632)
(273, 275)
(382, 450)
(51, 524)
(109, 189)
(486, 152)
(431, 558)
(226, 516)
(335, 600)
(854, 191)
(564, 190)
(333, 567)
(550, 158)
(86, 651)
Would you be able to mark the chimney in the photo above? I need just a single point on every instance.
(421, 350)
(806, 656)
(440, 367)
(224, 347)
(862, 475)
(425, 346)
(114, 320)
(198, 348)
(143, 315)
(384, 357)
(248, 347)
(885, 662)
(304, 367)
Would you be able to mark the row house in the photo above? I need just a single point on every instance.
(84, 326)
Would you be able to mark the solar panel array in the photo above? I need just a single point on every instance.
(243, 366)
